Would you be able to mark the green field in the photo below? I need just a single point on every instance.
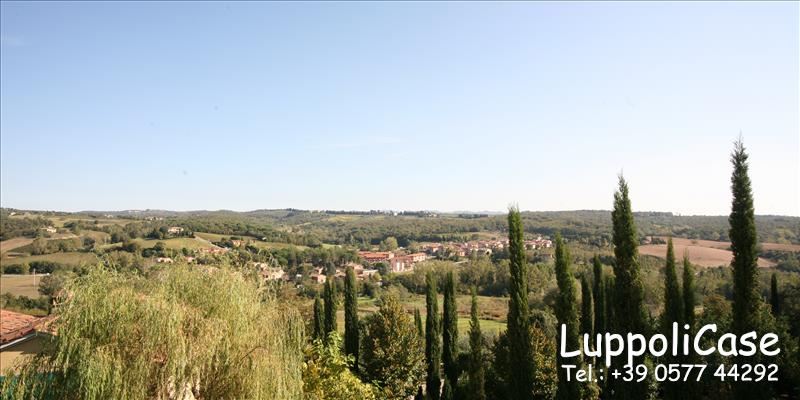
(19, 285)
(73, 258)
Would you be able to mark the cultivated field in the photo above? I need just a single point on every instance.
(11, 244)
(19, 285)
(177, 243)
(73, 258)
(705, 253)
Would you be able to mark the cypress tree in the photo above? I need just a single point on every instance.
(418, 323)
(520, 381)
(609, 284)
(450, 331)
(567, 314)
(587, 307)
(673, 312)
(476, 373)
(673, 301)
(629, 311)
(746, 299)
(774, 298)
(688, 292)
(351, 316)
(330, 306)
(743, 245)
(319, 318)
(629, 291)
(599, 296)
(432, 345)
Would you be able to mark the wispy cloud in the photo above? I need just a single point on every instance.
(12, 41)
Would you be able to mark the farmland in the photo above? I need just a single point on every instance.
(707, 253)
(73, 258)
(19, 285)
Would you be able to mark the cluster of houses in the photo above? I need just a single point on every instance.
(396, 262)
(463, 249)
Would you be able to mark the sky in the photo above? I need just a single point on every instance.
(402, 106)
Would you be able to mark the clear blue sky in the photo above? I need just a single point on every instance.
(448, 106)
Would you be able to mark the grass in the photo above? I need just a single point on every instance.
(492, 311)
(19, 285)
(73, 258)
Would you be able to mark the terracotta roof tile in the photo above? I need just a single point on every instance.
(14, 325)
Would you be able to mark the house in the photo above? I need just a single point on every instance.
(367, 273)
(376, 256)
(50, 229)
(20, 335)
(401, 264)
(175, 230)
(417, 257)
(317, 277)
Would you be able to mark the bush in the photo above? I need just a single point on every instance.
(172, 338)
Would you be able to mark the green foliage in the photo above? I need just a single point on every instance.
(476, 373)
(587, 307)
(450, 331)
(432, 344)
(743, 244)
(629, 293)
(351, 333)
(566, 314)
(172, 339)
(542, 353)
(746, 297)
(688, 292)
(330, 306)
(673, 300)
(521, 376)
(418, 323)
(392, 351)
(599, 296)
(774, 296)
(327, 375)
(319, 318)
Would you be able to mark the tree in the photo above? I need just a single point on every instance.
(743, 245)
(392, 351)
(629, 291)
(351, 316)
(319, 318)
(673, 301)
(567, 315)
(746, 299)
(587, 307)
(450, 331)
(327, 373)
(165, 331)
(774, 299)
(688, 292)
(519, 336)
(389, 244)
(476, 374)
(599, 296)
(330, 306)
(418, 323)
(672, 313)
(432, 345)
